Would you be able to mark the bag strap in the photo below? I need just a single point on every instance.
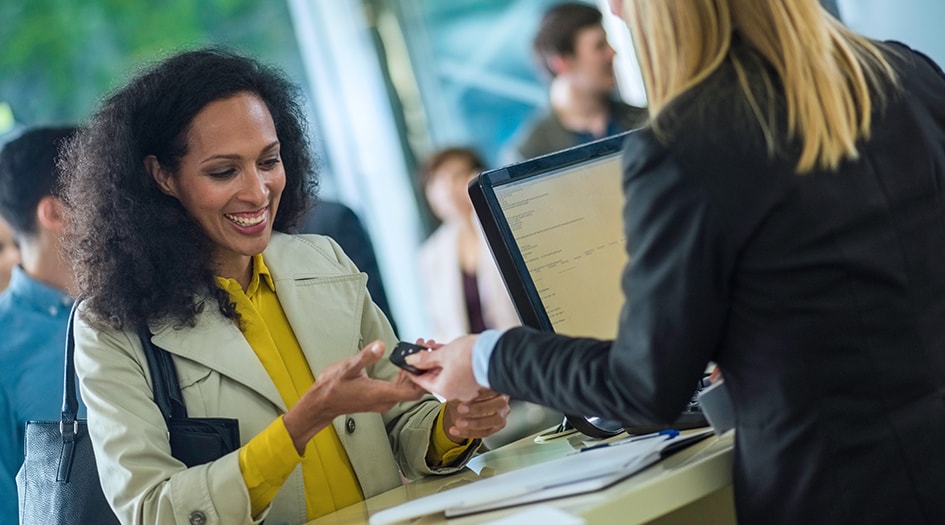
(70, 403)
(163, 377)
(68, 422)
(164, 380)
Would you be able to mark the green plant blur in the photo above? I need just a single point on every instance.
(58, 57)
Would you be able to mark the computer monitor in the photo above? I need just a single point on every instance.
(554, 225)
(555, 228)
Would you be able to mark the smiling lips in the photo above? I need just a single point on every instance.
(247, 219)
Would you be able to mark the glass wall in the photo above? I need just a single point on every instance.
(388, 81)
(473, 79)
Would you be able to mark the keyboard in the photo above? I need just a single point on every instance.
(598, 427)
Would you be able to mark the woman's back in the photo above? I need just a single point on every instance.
(832, 340)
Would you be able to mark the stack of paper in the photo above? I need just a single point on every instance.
(580, 472)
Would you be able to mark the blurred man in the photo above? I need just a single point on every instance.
(571, 45)
(9, 255)
(34, 309)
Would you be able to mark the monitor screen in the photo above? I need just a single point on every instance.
(554, 225)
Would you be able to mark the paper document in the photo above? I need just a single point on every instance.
(576, 473)
(540, 514)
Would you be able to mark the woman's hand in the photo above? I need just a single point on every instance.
(481, 417)
(344, 388)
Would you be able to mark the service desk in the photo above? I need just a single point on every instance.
(692, 486)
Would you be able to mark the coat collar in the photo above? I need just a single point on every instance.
(215, 342)
(318, 295)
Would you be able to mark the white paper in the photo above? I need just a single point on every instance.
(543, 514)
(573, 474)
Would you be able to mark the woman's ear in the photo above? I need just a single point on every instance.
(160, 175)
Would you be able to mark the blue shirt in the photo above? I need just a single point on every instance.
(33, 319)
(482, 353)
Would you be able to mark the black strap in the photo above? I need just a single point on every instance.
(166, 387)
(70, 403)
(164, 380)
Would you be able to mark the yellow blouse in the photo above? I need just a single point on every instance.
(268, 458)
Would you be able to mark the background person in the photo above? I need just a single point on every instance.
(462, 288)
(783, 219)
(9, 254)
(180, 189)
(341, 223)
(461, 283)
(571, 46)
(34, 309)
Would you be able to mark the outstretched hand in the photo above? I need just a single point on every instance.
(448, 369)
(344, 388)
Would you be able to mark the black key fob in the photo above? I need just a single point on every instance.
(400, 353)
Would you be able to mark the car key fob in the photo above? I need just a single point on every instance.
(400, 353)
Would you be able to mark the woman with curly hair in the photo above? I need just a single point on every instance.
(180, 192)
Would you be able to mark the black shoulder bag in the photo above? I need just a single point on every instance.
(58, 482)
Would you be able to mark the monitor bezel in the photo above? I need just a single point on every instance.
(501, 242)
(509, 259)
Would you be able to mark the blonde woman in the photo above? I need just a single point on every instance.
(785, 218)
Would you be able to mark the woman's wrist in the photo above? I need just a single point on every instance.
(446, 419)
(305, 419)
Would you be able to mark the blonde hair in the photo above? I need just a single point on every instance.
(829, 74)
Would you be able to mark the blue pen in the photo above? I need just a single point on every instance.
(669, 433)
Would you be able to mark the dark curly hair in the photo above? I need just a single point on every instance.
(138, 255)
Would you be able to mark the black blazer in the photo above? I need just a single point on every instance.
(821, 296)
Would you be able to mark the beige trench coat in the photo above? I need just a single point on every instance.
(326, 302)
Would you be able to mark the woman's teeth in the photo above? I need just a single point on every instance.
(246, 221)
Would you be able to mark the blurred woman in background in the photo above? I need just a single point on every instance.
(462, 288)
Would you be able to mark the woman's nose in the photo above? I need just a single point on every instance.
(255, 186)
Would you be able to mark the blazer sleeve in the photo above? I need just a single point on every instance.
(676, 297)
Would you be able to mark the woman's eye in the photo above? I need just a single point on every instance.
(223, 174)
(270, 163)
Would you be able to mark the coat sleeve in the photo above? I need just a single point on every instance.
(676, 297)
(409, 425)
(141, 479)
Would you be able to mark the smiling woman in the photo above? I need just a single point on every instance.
(232, 196)
(181, 192)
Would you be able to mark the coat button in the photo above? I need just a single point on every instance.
(198, 518)
(350, 425)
